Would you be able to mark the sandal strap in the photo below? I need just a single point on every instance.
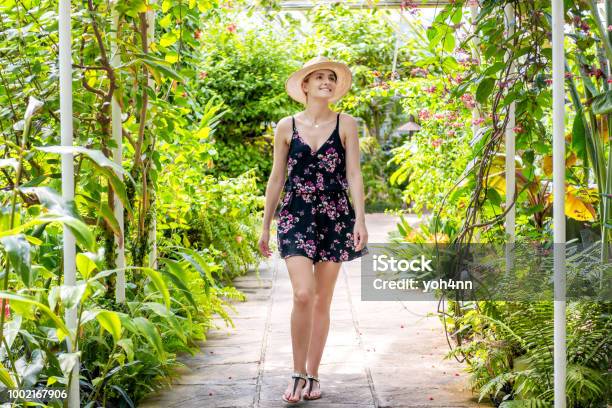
(297, 376)
(312, 377)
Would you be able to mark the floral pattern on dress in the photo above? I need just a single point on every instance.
(316, 218)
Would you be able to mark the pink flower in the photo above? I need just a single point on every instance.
(436, 142)
(419, 72)
(517, 129)
(569, 75)
(450, 133)
(424, 114)
(610, 27)
(430, 89)
(231, 27)
(458, 78)
(203, 74)
(478, 121)
(468, 101)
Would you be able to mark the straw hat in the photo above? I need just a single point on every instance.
(343, 75)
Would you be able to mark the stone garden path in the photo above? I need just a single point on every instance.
(378, 354)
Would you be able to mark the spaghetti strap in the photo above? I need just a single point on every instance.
(293, 121)
(338, 121)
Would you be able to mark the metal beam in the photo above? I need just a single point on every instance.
(510, 141)
(118, 159)
(559, 335)
(65, 87)
(306, 5)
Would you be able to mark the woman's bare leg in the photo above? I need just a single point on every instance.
(303, 283)
(326, 274)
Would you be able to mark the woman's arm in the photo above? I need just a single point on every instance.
(275, 181)
(355, 179)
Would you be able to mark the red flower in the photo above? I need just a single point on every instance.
(598, 73)
(231, 28)
(197, 34)
(548, 81)
(376, 73)
(7, 308)
(203, 74)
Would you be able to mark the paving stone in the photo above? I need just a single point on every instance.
(238, 394)
(218, 374)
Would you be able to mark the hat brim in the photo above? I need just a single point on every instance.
(344, 76)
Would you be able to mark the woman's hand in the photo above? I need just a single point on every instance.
(360, 235)
(264, 243)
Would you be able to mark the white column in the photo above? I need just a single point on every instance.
(117, 158)
(65, 79)
(510, 139)
(559, 351)
(151, 83)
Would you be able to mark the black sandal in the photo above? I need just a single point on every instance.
(311, 380)
(296, 380)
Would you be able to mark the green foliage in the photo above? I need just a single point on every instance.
(380, 195)
(234, 159)
(509, 347)
(247, 71)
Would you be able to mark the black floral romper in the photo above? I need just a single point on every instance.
(316, 219)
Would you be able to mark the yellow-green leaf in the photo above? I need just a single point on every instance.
(110, 321)
(85, 265)
(168, 39)
(171, 57)
(5, 377)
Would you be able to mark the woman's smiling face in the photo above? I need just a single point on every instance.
(320, 83)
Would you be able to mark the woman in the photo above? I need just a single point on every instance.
(317, 228)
